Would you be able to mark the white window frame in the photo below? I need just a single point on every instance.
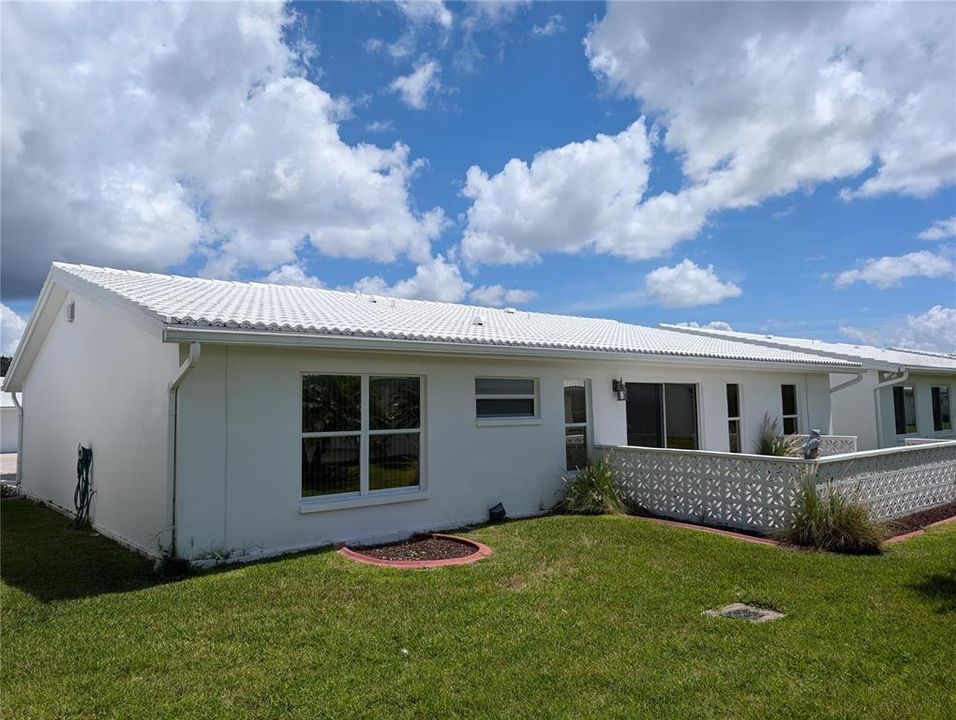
(499, 420)
(738, 418)
(949, 393)
(365, 495)
(796, 402)
(587, 417)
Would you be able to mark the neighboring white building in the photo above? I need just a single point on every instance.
(901, 393)
(9, 422)
(247, 416)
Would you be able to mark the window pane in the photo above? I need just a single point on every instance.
(505, 408)
(789, 394)
(331, 403)
(575, 402)
(947, 423)
(330, 465)
(393, 461)
(680, 412)
(394, 403)
(909, 409)
(733, 428)
(644, 419)
(899, 414)
(733, 400)
(576, 448)
(790, 426)
(504, 386)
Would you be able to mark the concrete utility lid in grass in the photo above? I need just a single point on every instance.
(740, 611)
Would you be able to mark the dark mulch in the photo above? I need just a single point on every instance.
(419, 547)
(917, 521)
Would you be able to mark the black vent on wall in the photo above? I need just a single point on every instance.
(71, 311)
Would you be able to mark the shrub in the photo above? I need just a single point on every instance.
(593, 490)
(829, 521)
(770, 441)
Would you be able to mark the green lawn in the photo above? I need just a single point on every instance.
(570, 617)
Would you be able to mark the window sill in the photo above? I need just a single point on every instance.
(312, 505)
(506, 422)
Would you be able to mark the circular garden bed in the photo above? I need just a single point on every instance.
(429, 550)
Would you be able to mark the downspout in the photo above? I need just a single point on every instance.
(173, 404)
(838, 388)
(19, 439)
(876, 400)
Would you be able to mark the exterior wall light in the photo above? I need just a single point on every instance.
(620, 388)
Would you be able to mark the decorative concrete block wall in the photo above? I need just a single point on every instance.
(755, 492)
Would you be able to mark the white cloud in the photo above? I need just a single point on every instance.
(138, 135)
(687, 285)
(414, 88)
(581, 195)
(440, 279)
(421, 15)
(712, 325)
(436, 279)
(933, 331)
(293, 274)
(379, 126)
(885, 272)
(11, 329)
(427, 12)
(940, 230)
(553, 26)
(760, 100)
(498, 296)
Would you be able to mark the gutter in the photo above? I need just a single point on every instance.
(240, 337)
(904, 374)
(195, 349)
(16, 402)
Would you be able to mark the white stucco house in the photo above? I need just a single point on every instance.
(9, 422)
(900, 393)
(267, 418)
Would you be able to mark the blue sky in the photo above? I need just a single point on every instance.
(746, 174)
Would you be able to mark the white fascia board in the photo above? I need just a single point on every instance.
(226, 336)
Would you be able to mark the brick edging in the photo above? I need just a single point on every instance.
(921, 531)
(717, 531)
(481, 550)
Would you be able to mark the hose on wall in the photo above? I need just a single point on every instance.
(83, 494)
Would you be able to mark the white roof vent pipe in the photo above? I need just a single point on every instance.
(477, 320)
(510, 311)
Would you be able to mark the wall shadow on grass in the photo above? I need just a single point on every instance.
(42, 556)
(940, 590)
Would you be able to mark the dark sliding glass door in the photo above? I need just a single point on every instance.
(645, 423)
(662, 415)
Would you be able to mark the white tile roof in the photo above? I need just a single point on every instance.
(868, 355)
(253, 306)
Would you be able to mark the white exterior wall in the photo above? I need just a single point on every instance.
(922, 385)
(100, 381)
(854, 409)
(239, 480)
(9, 426)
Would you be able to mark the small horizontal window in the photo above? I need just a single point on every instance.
(504, 386)
(505, 398)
